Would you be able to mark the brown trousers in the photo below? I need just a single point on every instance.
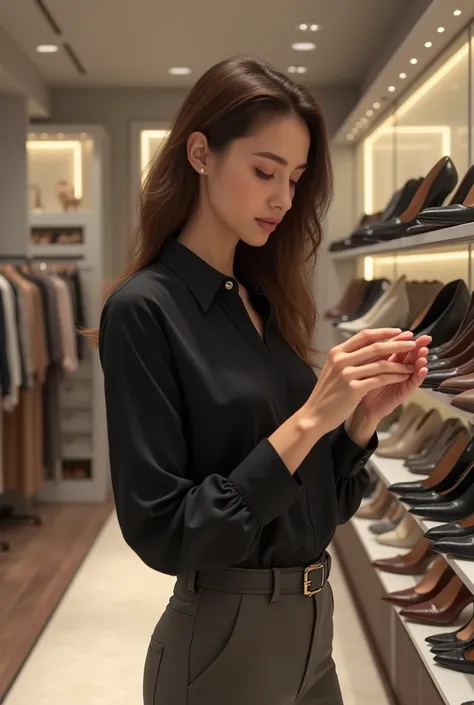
(216, 648)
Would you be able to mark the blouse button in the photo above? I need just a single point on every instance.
(229, 285)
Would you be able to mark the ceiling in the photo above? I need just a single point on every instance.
(123, 43)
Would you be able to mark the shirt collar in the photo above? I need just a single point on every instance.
(203, 280)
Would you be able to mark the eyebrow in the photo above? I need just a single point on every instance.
(277, 159)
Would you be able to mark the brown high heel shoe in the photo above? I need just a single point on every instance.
(435, 580)
(350, 300)
(444, 608)
(415, 562)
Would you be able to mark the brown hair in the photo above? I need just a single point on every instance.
(226, 103)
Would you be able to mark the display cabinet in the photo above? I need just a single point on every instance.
(68, 171)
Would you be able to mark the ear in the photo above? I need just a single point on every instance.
(198, 151)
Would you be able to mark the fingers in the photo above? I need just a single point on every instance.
(380, 350)
(367, 337)
(364, 386)
(379, 368)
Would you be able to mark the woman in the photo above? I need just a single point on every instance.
(231, 466)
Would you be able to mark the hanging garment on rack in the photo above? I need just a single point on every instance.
(10, 400)
(66, 323)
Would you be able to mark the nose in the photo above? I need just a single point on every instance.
(282, 197)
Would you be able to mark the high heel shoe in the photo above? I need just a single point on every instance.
(451, 466)
(459, 210)
(405, 535)
(415, 437)
(446, 313)
(437, 352)
(377, 508)
(449, 432)
(454, 510)
(410, 415)
(455, 639)
(435, 580)
(415, 562)
(452, 529)
(350, 301)
(444, 608)
(433, 191)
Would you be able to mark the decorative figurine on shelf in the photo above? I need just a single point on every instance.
(66, 196)
(36, 199)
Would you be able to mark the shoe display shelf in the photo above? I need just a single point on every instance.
(437, 238)
(454, 688)
(445, 399)
(391, 470)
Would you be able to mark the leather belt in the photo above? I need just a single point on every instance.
(282, 581)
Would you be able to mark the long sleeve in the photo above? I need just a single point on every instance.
(352, 478)
(173, 524)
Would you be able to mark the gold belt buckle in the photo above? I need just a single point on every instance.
(307, 580)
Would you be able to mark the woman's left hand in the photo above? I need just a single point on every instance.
(381, 402)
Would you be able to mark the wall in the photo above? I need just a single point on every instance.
(116, 109)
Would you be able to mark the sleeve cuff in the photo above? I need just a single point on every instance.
(265, 483)
(348, 457)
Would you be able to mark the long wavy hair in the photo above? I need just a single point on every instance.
(230, 100)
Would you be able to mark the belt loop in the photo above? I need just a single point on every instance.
(192, 581)
(276, 585)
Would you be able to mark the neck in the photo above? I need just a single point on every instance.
(209, 238)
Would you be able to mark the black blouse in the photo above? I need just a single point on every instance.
(192, 394)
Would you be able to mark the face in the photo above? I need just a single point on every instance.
(251, 186)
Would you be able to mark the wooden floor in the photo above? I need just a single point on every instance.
(35, 574)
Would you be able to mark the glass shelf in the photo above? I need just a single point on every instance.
(60, 172)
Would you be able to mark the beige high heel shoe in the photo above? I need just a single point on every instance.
(406, 535)
(377, 508)
(414, 437)
(410, 414)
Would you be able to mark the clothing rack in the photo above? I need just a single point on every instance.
(16, 501)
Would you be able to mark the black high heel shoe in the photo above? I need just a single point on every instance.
(460, 209)
(432, 192)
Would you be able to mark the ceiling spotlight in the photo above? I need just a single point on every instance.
(428, 45)
(47, 48)
(413, 61)
(440, 30)
(358, 125)
(376, 105)
(179, 71)
(364, 120)
(402, 75)
(60, 135)
(369, 113)
(456, 13)
(314, 27)
(391, 89)
(301, 69)
(303, 46)
(291, 69)
(350, 136)
(303, 27)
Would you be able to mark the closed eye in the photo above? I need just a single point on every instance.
(263, 175)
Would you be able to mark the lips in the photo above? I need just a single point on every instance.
(267, 225)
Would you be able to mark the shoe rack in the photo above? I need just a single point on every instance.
(68, 223)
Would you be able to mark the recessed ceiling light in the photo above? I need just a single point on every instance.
(369, 113)
(301, 69)
(391, 89)
(376, 105)
(44, 135)
(314, 27)
(179, 71)
(358, 125)
(47, 48)
(456, 13)
(428, 45)
(291, 69)
(402, 75)
(440, 30)
(303, 46)
(364, 120)
(60, 135)
(350, 136)
(303, 27)
(413, 61)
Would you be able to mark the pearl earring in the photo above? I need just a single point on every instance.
(203, 171)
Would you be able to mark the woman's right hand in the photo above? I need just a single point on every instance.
(354, 368)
